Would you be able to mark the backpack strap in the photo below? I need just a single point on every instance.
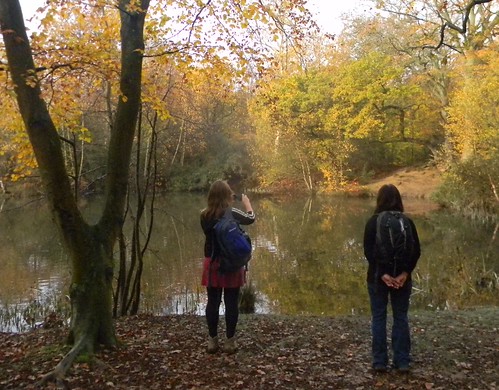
(378, 238)
(212, 256)
(378, 225)
(227, 212)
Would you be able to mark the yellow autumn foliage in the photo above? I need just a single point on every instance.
(473, 125)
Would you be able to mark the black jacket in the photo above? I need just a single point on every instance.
(369, 252)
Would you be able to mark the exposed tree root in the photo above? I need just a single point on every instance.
(59, 373)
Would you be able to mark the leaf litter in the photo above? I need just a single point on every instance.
(451, 350)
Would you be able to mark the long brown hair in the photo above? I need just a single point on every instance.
(219, 198)
(388, 199)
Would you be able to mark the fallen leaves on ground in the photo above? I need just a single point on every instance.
(451, 350)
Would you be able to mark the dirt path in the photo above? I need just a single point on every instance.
(413, 184)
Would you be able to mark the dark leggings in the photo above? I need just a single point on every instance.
(231, 301)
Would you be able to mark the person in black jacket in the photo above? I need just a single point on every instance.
(383, 283)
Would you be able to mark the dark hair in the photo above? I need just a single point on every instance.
(388, 199)
(219, 198)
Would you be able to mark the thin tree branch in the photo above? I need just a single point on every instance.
(449, 24)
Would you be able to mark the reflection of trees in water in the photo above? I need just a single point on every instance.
(318, 266)
(455, 281)
(308, 258)
(459, 267)
(47, 304)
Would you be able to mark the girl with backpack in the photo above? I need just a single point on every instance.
(389, 277)
(220, 199)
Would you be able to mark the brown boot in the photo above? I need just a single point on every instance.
(212, 345)
(230, 345)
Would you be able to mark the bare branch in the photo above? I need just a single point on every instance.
(460, 29)
(196, 18)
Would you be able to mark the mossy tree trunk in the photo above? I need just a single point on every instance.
(90, 247)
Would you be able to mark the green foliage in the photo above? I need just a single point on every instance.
(381, 157)
(470, 187)
(472, 182)
(294, 139)
(376, 102)
(473, 120)
(318, 118)
(85, 358)
(323, 126)
(193, 71)
(193, 177)
(223, 156)
(247, 298)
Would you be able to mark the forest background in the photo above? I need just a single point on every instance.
(311, 113)
(250, 92)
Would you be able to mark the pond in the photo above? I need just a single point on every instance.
(308, 259)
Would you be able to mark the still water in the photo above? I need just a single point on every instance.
(308, 259)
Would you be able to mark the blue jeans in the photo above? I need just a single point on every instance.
(401, 339)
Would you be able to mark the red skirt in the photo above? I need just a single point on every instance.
(228, 280)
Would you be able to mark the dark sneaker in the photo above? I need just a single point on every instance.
(380, 368)
(403, 369)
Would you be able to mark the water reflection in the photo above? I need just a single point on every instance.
(308, 258)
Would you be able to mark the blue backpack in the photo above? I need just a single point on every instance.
(234, 244)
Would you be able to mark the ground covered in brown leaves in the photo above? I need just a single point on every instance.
(452, 350)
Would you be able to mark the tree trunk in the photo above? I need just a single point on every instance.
(305, 170)
(90, 247)
(91, 292)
